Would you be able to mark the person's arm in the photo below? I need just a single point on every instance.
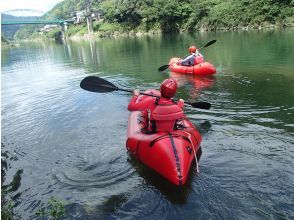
(132, 104)
(140, 105)
(198, 58)
(187, 59)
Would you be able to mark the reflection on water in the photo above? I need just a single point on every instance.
(193, 84)
(68, 143)
(173, 193)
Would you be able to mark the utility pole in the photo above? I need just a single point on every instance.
(89, 17)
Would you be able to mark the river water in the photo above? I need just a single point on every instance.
(63, 142)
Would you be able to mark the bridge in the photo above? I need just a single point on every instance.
(29, 16)
(13, 20)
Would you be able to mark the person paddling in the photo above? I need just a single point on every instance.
(163, 113)
(194, 58)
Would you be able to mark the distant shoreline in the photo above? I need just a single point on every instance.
(116, 34)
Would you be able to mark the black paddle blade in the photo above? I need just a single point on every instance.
(209, 43)
(97, 84)
(202, 105)
(164, 67)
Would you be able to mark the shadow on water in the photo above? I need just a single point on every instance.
(102, 211)
(203, 127)
(124, 204)
(16, 180)
(175, 194)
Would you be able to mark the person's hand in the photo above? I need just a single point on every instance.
(136, 92)
(181, 103)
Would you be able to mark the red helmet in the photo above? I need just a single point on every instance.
(192, 49)
(168, 88)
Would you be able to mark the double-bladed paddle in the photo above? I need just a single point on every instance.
(97, 84)
(164, 67)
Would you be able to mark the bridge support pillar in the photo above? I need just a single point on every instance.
(64, 27)
(90, 25)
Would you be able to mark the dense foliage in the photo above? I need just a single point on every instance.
(174, 15)
(177, 15)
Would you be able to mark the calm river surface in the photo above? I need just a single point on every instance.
(59, 140)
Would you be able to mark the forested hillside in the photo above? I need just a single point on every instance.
(8, 32)
(174, 15)
(179, 15)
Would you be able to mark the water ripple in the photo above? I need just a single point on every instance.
(70, 143)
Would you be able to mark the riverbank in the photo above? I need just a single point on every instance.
(80, 33)
(9, 44)
(203, 29)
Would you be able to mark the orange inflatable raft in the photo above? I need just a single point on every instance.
(168, 153)
(203, 68)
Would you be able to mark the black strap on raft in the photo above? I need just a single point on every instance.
(153, 126)
(179, 125)
(177, 158)
(166, 136)
(157, 139)
(199, 153)
(140, 120)
(156, 101)
(138, 145)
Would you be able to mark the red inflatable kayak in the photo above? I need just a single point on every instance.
(203, 68)
(169, 154)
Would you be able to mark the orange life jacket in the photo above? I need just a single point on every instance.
(166, 116)
(198, 59)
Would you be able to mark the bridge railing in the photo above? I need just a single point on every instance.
(37, 22)
(28, 16)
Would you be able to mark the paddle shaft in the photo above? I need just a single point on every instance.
(201, 105)
(131, 91)
(97, 84)
(142, 93)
